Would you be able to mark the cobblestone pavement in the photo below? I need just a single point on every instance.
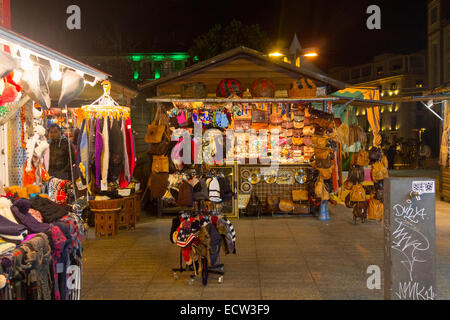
(277, 258)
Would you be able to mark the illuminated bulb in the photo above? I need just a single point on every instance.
(64, 111)
(382, 94)
(396, 92)
(56, 73)
(26, 62)
(390, 93)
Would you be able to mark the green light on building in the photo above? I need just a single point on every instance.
(136, 75)
(136, 58)
(157, 74)
(179, 56)
(196, 58)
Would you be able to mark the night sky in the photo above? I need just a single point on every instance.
(337, 28)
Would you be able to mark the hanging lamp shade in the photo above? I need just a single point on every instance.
(263, 88)
(71, 87)
(34, 83)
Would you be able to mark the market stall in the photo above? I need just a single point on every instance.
(303, 138)
(41, 227)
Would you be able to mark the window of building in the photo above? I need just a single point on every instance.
(356, 73)
(396, 64)
(394, 86)
(367, 71)
(393, 122)
(419, 83)
(380, 71)
(345, 76)
(434, 15)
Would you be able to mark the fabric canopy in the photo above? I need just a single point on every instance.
(373, 112)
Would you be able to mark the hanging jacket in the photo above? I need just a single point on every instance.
(116, 152)
(125, 175)
(214, 190)
(59, 164)
(105, 152)
(130, 147)
(98, 152)
(225, 190)
(91, 149)
(185, 195)
(201, 191)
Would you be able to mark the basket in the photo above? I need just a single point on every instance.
(228, 87)
(106, 206)
(302, 88)
(263, 88)
(195, 90)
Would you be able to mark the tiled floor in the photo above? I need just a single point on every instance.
(281, 258)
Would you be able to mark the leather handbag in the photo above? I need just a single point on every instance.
(376, 209)
(275, 118)
(308, 149)
(308, 130)
(320, 142)
(325, 174)
(160, 164)
(272, 203)
(299, 124)
(300, 209)
(298, 132)
(259, 126)
(297, 141)
(307, 140)
(300, 195)
(299, 118)
(288, 132)
(155, 130)
(240, 124)
(286, 205)
(287, 125)
(379, 171)
(323, 154)
(272, 127)
(357, 193)
(162, 148)
(361, 158)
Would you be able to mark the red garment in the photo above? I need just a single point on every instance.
(130, 152)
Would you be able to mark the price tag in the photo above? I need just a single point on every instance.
(124, 192)
(104, 186)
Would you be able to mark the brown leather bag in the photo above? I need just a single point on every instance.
(155, 130)
(376, 210)
(297, 141)
(160, 164)
(320, 142)
(275, 118)
(323, 153)
(357, 194)
(286, 205)
(308, 130)
(361, 158)
(260, 116)
(325, 174)
(287, 125)
(300, 195)
(272, 203)
(379, 171)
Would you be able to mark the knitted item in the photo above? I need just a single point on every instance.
(36, 214)
(9, 228)
(50, 211)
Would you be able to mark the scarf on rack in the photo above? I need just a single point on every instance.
(9, 228)
(98, 153)
(105, 152)
(83, 152)
(58, 241)
(91, 150)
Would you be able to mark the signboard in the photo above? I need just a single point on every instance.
(5, 13)
(410, 237)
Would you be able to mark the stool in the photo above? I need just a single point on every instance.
(127, 217)
(106, 216)
(138, 196)
(105, 224)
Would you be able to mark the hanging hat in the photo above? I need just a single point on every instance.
(35, 84)
(72, 86)
(7, 64)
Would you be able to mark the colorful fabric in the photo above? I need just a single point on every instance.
(105, 152)
(98, 153)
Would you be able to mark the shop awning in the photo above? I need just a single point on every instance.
(360, 97)
(11, 38)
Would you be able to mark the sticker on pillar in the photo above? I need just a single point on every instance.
(423, 186)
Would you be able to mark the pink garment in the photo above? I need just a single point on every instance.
(29, 237)
(36, 214)
(367, 174)
(46, 159)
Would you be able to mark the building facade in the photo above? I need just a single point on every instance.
(396, 76)
(136, 68)
(438, 28)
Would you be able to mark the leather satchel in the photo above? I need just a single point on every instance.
(300, 195)
(275, 117)
(357, 194)
(155, 130)
(286, 205)
(160, 164)
(320, 142)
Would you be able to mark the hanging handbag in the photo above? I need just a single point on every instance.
(376, 209)
(275, 117)
(297, 141)
(307, 140)
(361, 158)
(298, 133)
(287, 125)
(308, 130)
(300, 195)
(286, 205)
(320, 142)
(155, 130)
(160, 164)
(325, 174)
(260, 116)
(379, 171)
(357, 194)
(272, 204)
(323, 153)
